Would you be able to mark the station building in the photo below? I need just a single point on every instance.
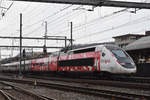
(123, 40)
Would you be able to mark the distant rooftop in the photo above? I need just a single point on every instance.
(127, 35)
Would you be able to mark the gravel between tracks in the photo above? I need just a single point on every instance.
(2, 97)
(20, 96)
(58, 94)
(66, 95)
(126, 90)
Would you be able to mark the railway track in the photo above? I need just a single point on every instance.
(89, 91)
(132, 79)
(6, 96)
(136, 79)
(144, 86)
(19, 93)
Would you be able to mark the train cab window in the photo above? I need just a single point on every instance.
(84, 50)
(119, 53)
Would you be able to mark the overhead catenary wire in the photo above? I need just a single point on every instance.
(114, 27)
(48, 17)
(35, 29)
(92, 22)
(110, 37)
(39, 27)
(4, 28)
(114, 12)
(26, 14)
(56, 19)
(140, 20)
(6, 8)
(80, 27)
(12, 5)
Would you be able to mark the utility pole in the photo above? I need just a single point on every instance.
(0, 57)
(65, 41)
(20, 43)
(45, 37)
(12, 49)
(71, 34)
(45, 33)
(0, 54)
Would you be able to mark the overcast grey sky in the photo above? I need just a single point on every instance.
(96, 26)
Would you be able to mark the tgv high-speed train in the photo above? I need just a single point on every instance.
(99, 58)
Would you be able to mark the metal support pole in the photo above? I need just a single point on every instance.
(65, 41)
(0, 57)
(71, 34)
(20, 43)
(12, 49)
(45, 33)
(0, 54)
(32, 51)
(24, 65)
(44, 48)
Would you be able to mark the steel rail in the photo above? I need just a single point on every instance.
(96, 92)
(5, 95)
(143, 86)
(10, 96)
(37, 96)
(136, 79)
(89, 91)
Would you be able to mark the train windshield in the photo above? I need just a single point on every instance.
(123, 58)
(119, 53)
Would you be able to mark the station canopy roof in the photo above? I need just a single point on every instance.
(109, 3)
(142, 43)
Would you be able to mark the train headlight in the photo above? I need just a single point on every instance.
(122, 64)
(133, 64)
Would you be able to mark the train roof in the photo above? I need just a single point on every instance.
(84, 47)
(112, 47)
(94, 46)
(15, 63)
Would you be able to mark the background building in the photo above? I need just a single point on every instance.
(123, 40)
